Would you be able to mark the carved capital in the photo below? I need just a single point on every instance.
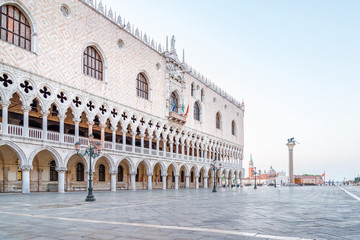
(76, 120)
(90, 123)
(26, 108)
(164, 175)
(5, 103)
(45, 113)
(113, 172)
(61, 116)
(61, 169)
(26, 167)
(113, 129)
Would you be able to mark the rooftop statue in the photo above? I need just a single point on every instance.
(292, 140)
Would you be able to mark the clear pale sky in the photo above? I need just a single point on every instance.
(295, 63)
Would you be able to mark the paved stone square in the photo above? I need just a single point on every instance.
(245, 213)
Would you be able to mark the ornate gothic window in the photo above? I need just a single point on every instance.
(101, 173)
(174, 102)
(182, 176)
(196, 111)
(173, 176)
(120, 174)
(218, 120)
(92, 63)
(53, 172)
(192, 89)
(79, 172)
(142, 87)
(15, 28)
(233, 128)
(202, 95)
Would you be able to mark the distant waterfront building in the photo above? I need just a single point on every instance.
(262, 178)
(308, 179)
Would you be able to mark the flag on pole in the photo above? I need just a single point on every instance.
(323, 177)
(174, 106)
(187, 111)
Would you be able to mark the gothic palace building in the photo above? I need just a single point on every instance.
(71, 68)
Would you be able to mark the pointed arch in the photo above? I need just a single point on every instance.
(52, 151)
(132, 166)
(147, 164)
(19, 152)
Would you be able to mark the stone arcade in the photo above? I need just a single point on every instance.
(69, 69)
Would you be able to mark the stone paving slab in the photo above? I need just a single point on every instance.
(245, 213)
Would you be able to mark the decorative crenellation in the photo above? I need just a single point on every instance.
(118, 20)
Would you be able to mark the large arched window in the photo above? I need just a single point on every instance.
(120, 174)
(101, 173)
(174, 103)
(196, 111)
(79, 172)
(202, 95)
(142, 87)
(192, 89)
(15, 28)
(218, 120)
(92, 63)
(53, 172)
(233, 128)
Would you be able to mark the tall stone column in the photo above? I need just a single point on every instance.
(113, 181)
(164, 146)
(196, 181)
(150, 181)
(123, 140)
(77, 122)
(26, 110)
(44, 123)
(6, 179)
(142, 135)
(61, 126)
(61, 179)
(113, 129)
(90, 127)
(182, 150)
(133, 181)
(291, 146)
(26, 178)
(176, 181)
(102, 134)
(171, 142)
(164, 182)
(205, 182)
(5, 105)
(177, 149)
(150, 144)
(187, 182)
(133, 133)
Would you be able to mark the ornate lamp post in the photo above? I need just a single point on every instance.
(214, 166)
(93, 151)
(255, 187)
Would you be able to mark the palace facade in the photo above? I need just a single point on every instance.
(72, 68)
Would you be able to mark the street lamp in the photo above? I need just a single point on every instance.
(254, 171)
(93, 151)
(214, 166)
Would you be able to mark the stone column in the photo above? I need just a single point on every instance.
(26, 178)
(124, 139)
(44, 123)
(113, 181)
(113, 137)
(5, 105)
(198, 153)
(26, 110)
(164, 182)
(133, 133)
(61, 178)
(150, 181)
(90, 127)
(187, 182)
(196, 181)
(182, 150)
(205, 182)
(102, 134)
(76, 121)
(188, 151)
(177, 150)
(164, 146)
(133, 181)
(176, 181)
(291, 162)
(61, 126)
(6, 179)
(142, 135)
(157, 146)
(171, 149)
(150, 144)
